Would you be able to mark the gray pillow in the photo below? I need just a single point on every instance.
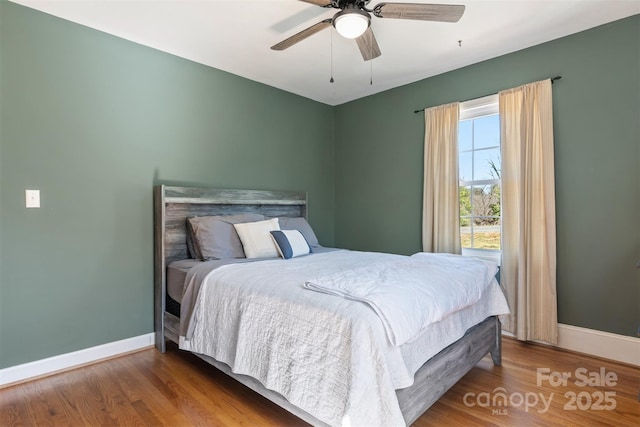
(214, 237)
(192, 247)
(300, 224)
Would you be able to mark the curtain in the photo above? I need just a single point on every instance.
(440, 206)
(528, 271)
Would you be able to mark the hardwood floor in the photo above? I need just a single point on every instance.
(178, 389)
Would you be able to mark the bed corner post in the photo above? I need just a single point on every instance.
(496, 353)
(159, 287)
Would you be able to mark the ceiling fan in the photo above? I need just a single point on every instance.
(353, 21)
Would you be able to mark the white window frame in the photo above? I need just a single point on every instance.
(473, 109)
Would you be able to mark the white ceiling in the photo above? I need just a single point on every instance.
(236, 36)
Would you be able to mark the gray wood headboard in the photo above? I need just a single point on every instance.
(172, 207)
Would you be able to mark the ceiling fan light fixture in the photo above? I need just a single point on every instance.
(351, 22)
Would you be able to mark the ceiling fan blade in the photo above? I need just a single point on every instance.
(287, 43)
(419, 11)
(368, 45)
(321, 3)
(294, 21)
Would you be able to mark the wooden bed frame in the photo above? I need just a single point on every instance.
(172, 207)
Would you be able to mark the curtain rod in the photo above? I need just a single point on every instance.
(553, 79)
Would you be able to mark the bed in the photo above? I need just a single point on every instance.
(174, 205)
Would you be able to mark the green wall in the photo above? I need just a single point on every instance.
(597, 153)
(94, 121)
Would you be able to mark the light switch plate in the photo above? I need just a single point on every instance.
(33, 198)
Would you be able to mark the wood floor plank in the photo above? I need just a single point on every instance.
(88, 400)
(116, 401)
(13, 409)
(240, 406)
(146, 392)
(45, 407)
(227, 408)
(65, 386)
(179, 389)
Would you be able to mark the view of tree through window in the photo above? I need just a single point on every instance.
(479, 169)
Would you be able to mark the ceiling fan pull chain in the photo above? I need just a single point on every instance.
(371, 72)
(331, 79)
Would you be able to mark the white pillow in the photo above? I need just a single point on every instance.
(256, 239)
(290, 243)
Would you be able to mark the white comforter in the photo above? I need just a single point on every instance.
(327, 355)
(409, 295)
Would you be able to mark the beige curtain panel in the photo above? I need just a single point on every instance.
(528, 271)
(440, 207)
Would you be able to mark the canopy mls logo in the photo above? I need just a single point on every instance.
(499, 400)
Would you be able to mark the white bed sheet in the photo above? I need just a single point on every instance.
(325, 354)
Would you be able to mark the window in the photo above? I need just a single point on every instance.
(479, 173)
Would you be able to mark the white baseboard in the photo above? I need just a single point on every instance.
(601, 344)
(610, 346)
(50, 365)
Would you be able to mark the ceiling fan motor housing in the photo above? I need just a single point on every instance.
(340, 4)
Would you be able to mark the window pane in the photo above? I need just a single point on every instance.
(464, 168)
(485, 201)
(486, 164)
(465, 204)
(464, 135)
(486, 236)
(465, 237)
(486, 132)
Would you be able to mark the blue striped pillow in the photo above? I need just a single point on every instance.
(290, 243)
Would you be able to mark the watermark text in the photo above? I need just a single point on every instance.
(500, 400)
